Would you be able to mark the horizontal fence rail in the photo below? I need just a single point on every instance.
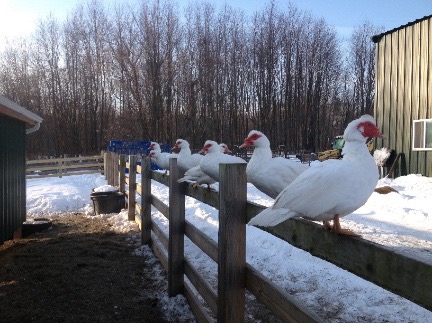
(59, 167)
(409, 278)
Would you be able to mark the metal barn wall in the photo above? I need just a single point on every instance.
(12, 177)
(403, 90)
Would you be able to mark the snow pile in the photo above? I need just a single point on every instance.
(400, 221)
(105, 188)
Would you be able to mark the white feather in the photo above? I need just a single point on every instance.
(330, 188)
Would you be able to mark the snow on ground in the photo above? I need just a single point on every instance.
(401, 221)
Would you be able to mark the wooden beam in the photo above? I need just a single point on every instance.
(145, 201)
(176, 231)
(232, 243)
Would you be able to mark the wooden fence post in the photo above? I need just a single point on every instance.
(232, 243)
(113, 169)
(60, 168)
(122, 173)
(176, 231)
(108, 167)
(145, 200)
(132, 187)
(116, 168)
(105, 159)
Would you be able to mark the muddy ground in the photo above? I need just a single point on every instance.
(77, 271)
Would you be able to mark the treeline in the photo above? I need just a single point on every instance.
(157, 72)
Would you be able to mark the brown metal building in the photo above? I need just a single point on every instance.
(15, 123)
(403, 94)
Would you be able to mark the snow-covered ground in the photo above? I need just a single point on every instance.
(399, 220)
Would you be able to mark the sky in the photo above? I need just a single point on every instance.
(18, 18)
(401, 221)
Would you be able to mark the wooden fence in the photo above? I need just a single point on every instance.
(407, 277)
(59, 167)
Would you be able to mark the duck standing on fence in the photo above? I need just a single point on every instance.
(186, 160)
(196, 174)
(161, 159)
(332, 189)
(213, 157)
(269, 175)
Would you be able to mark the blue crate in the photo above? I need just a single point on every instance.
(137, 147)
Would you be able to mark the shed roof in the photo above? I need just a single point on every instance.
(15, 111)
(377, 38)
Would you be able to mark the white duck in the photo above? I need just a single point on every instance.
(155, 146)
(210, 162)
(333, 188)
(161, 159)
(269, 175)
(198, 176)
(186, 160)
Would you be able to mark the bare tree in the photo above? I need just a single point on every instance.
(150, 73)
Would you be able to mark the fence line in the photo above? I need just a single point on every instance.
(58, 167)
(407, 277)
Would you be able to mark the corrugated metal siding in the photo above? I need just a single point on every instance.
(12, 177)
(402, 85)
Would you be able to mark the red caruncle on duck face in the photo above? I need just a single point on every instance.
(249, 141)
(369, 130)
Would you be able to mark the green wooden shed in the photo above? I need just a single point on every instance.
(403, 94)
(15, 123)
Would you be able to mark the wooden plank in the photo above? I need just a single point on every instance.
(66, 159)
(132, 188)
(198, 310)
(113, 169)
(145, 200)
(207, 245)
(116, 179)
(122, 172)
(65, 174)
(160, 252)
(286, 307)
(176, 231)
(106, 164)
(158, 232)
(160, 206)
(407, 277)
(200, 193)
(203, 194)
(56, 167)
(202, 286)
(161, 178)
(232, 243)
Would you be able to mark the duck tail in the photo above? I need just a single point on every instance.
(271, 217)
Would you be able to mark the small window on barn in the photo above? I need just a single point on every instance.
(422, 134)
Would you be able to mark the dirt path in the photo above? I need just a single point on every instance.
(77, 271)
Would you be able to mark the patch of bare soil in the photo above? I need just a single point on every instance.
(77, 271)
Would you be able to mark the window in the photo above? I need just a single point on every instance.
(422, 134)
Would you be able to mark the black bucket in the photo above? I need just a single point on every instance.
(107, 202)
